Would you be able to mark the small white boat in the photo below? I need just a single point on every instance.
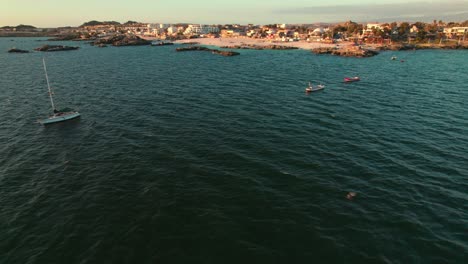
(311, 88)
(57, 116)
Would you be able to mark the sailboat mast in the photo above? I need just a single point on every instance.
(48, 85)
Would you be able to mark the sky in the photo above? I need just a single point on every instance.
(56, 13)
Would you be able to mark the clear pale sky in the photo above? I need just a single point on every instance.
(54, 13)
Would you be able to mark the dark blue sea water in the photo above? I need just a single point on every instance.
(198, 158)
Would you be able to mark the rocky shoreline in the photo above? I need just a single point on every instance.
(257, 47)
(398, 47)
(55, 48)
(346, 51)
(121, 40)
(15, 50)
(214, 51)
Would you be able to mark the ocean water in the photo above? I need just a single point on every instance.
(198, 158)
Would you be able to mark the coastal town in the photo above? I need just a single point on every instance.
(321, 37)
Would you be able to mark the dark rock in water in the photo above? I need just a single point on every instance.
(70, 36)
(15, 50)
(193, 48)
(55, 48)
(257, 47)
(397, 47)
(162, 44)
(190, 43)
(346, 51)
(214, 51)
(225, 53)
(122, 40)
(423, 46)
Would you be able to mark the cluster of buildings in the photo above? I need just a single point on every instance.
(283, 32)
(165, 31)
(277, 31)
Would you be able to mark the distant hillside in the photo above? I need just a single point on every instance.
(97, 23)
(20, 27)
(131, 23)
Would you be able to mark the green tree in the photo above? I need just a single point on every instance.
(377, 32)
(352, 28)
(421, 35)
(420, 25)
(403, 29)
(431, 28)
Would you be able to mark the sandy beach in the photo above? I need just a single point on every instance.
(259, 42)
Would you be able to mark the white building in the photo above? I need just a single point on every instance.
(370, 26)
(318, 31)
(172, 30)
(201, 29)
(459, 30)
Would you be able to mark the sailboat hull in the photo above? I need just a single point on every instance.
(60, 117)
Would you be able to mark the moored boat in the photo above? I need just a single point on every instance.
(351, 79)
(57, 116)
(311, 88)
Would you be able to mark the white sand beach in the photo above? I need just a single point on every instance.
(259, 42)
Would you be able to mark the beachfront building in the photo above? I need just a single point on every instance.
(414, 29)
(370, 27)
(232, 33)
(317, 32)
(153, 30)
(281, 26)
(200, 30)
(137, 28)
(456, 31)
(101, 29)
(174, 30)
(163, 26)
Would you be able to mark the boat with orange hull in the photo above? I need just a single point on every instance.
(351, 79)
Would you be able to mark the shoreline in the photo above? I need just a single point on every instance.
(221, 42)
(309, 45)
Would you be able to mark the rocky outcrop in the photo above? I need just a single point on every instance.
(55, 48)
(258, 47)
(422, 46)
(346, 52)
(122, 40)
(192, 48)
(15, 50)
(189, 43)
(397, 47)
(71, 36)
(214, 51)
(162, 43)
(225, 53)
(441, 46)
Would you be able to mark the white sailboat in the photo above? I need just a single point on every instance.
(57, 116)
